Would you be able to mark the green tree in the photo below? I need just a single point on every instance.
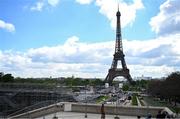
(172, 86)
(1, 75)
(125, 87)
(68, 82)
(98, 82)
(7, 78)
(167, 88)
(86, 82)
(76, 81)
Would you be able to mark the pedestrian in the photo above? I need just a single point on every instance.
(149, 116)
(102, 112)
(159, 115)
(138, 117)
(164, 114)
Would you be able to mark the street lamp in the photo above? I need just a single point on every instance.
(85, 116)
(55, 96)
(117, 100)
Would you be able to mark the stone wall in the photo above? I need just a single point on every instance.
(92, 108)
(120, 110)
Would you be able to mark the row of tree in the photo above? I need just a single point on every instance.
(81, 82)
(69, 81)
(138, 85)
(168, 88)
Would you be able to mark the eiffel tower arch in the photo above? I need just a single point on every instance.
(114, 71)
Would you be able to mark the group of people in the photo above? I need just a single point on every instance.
(162, 115)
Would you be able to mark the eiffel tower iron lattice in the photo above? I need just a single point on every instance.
(114, 71)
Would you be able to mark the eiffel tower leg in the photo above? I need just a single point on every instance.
(109, 78)
(129, 78)
(106, 79)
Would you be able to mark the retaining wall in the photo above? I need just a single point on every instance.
(92, 108)
(120, 110)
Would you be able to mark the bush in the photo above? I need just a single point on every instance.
(134, 100)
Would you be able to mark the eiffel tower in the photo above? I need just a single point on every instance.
(114, 71)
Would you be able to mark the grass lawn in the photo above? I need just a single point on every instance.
(101, 99)
(151, 102)
(134, 100)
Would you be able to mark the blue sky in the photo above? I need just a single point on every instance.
(40, 34)
(53, 25)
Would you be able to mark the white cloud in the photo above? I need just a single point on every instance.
(167, 20)
(7, 26)
(38, 6)
(53, 2)
(72, 51)
(84, 1)
(157, 71)
(156, 52)
(109, 8)
(128, 11)
(41, 4)
(155, 57)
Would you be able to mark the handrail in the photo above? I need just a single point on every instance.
(32, 107)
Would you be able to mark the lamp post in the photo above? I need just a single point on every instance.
(117, 100)
(55, 96)
(85, 116)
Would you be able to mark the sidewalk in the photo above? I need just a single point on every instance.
(139, 104)
(74, 115)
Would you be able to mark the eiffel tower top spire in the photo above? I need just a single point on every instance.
(118, 6)
(118, 46)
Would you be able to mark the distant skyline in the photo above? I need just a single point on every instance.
(59, 38)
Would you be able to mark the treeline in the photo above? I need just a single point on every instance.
(69, 81)
(168, 88)
(161, 86)
(138, 85)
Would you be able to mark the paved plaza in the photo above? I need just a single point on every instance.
(74, 115)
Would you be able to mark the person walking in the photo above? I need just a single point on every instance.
(102, 112)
